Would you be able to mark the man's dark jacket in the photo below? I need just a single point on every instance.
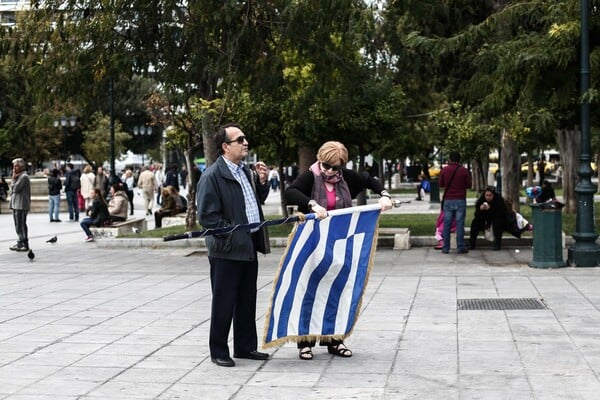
(221, 203)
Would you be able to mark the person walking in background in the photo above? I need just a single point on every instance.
(183, 174)
(72, 186)
(87, 184)
(147, 184)
(541, 168)
(128, 185)
(455, 179)
(159, 177)
(327, 185)
(20, 202)
(101, 182)
(97, 214)
(172, 177)
(228, 195)
(54, 187)
(274, 179)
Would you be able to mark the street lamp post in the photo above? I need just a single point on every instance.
(142, 130)
(63, 122)
(585, 252)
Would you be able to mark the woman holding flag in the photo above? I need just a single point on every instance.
(328, 185)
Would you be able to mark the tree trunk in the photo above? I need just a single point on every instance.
(361, 199)
(530, 174)
(208, 141)
(478, 182)
(569, 142)
(306, 156)
(190, 218)
(597, 161)
(282, 187)
(510, 162)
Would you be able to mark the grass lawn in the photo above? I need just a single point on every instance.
(419, 224)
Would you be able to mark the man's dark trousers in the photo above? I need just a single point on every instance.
(72, 204)
(233, 297)
(20, 220)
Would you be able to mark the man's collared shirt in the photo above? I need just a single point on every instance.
(252, 212)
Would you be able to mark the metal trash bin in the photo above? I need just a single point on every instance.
(547, 235)
(434, 191)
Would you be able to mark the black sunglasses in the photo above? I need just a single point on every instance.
(327, 166)
(239, 139)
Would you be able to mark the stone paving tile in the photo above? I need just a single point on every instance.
(138, 330)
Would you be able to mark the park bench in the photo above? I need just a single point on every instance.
(175, 220)
(119, 228)
(401, 237)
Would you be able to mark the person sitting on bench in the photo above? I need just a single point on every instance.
(117, 206)
(423, 187)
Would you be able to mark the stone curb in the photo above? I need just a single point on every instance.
(385, 241)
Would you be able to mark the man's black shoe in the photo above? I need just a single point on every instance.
(223, 362)
(253, 355)
(462, 251)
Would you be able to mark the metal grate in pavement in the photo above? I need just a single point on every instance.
(501, 304)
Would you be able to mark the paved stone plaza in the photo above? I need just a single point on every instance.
(86, 322)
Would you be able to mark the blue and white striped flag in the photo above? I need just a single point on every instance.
(322, 275)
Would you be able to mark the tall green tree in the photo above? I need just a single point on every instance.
(524, 59)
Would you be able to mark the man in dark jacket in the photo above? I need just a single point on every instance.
(72, 185)
(20, 203)
(172, 177)
(228, 195)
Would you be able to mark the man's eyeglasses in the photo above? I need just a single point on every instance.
(327, 166)
(239, 139)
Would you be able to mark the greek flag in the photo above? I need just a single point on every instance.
(318, 289)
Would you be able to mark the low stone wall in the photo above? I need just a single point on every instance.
(119, 228)
(176, 220)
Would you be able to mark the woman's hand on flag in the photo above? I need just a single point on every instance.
(385, 203)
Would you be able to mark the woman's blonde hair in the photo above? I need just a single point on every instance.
(333, 153)
(87, 168)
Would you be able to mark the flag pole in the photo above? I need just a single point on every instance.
(257, 225)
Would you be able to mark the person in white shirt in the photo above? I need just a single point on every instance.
(274, 178)
(87, 185)
(147, 183)
(159, 177)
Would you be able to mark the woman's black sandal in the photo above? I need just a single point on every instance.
(342, 351)
(305, 353)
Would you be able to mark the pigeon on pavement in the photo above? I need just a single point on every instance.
(30, 255)
(53, 239)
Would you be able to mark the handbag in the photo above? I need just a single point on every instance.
(489, 234)
(521, 221)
